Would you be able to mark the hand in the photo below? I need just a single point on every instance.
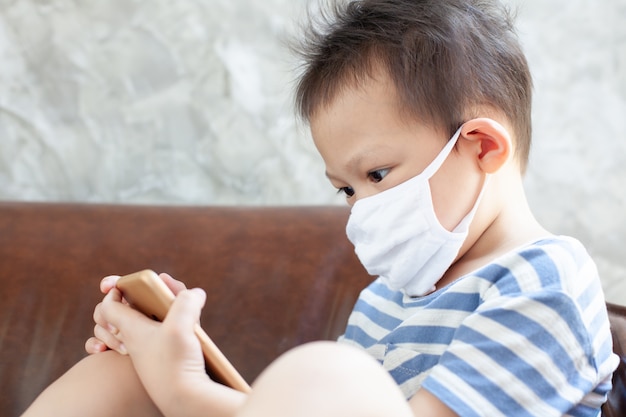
(166, 356)
(103, 338)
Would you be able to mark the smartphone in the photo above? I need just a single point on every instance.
(147, 293)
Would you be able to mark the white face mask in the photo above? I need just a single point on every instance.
(396, 233)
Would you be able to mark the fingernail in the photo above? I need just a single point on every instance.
(199, 291)
(122, 349)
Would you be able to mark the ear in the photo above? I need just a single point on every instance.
(490, 141)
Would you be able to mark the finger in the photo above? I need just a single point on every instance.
(173, 284)
(108, 283)
(97, 315)
(112, 296)
(94, 345)
(126, 325)
(185, 311)
(105, 332)
(109, 338)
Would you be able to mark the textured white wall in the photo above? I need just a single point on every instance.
(577, 53)
(189, 102)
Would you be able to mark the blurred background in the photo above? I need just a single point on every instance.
(189, 102)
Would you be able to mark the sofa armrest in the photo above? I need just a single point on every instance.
(616, 403)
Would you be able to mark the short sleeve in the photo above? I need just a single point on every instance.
(528, 355)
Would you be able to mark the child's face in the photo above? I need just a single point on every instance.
(368, 147)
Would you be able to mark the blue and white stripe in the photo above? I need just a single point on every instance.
(526, 335)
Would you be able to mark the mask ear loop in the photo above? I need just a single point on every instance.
(465, 222)
(430, 170)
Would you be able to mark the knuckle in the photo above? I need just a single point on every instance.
(99, 333)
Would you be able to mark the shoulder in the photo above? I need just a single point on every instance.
(540, 324)
(558, 263)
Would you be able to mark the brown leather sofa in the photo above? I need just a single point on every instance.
(275, 278)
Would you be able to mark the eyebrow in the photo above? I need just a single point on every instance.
(356, 160)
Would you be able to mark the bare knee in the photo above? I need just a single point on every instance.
(104, 384)
(329, 379)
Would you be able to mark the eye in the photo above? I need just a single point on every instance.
(378, 174)
(348, 191)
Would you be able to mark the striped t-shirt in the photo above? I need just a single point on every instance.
(527, 335)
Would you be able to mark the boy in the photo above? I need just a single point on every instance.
(421, 112)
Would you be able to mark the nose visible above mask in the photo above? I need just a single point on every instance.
(397, 236)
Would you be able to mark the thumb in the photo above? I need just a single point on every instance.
(185, 311)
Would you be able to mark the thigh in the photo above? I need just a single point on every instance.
(325, 379)
(104, 384)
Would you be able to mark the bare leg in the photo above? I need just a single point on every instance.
(104, 384)
(325, 379)
(318, 379)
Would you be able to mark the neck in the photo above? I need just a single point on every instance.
(497, 229)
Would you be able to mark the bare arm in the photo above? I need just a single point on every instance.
(167, 356)
(425, 404)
